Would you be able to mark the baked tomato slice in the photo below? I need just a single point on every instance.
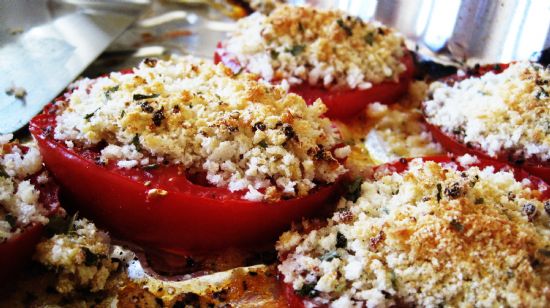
(452, 144)
(162, 208)
(342, 104)
(18, 249)
(300, 300)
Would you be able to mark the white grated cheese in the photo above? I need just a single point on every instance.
(296, 44)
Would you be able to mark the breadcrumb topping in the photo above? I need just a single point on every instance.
(297, 44)
(430, 236)
(81, 257)
(242, 134)
(500, 113)
(19, 198)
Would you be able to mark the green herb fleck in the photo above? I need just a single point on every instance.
(263, 144)
(3, 172)
(369, 38)
(122, 113)
(457, 225)
(90, 258)
(111, 91)
(329, 256)
(151, 166)
(354, 190)
(138, 97)
(393, 279)
(438, 186)
(61, 225)
(345, 27)
(274, 54)
(308, 290)
(11, 220)
(296, 49)
(90, 115)
(136, 143)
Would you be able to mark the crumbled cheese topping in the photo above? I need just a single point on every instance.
(500, 113)
(81, 257)
(430, 236)
(321, 47)
(243, 134)
(19, 198)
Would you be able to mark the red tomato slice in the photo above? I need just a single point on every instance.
(342, 104)
(17, 250)
(298, 301)
(539, 169)
(189, 218)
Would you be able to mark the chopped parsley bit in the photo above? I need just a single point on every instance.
(274, 54)
(354, 190)
(138, 97)
(369, 38)
(90, 115)
(329, 256)
(150, 166)
(111, 91)
(457, 225)
(3, 172)
(438, 186)
(90, 258)
(341, 240)
(122, 113)
(296, 49)
(393, 279)
(136, 143)
(308, 289)
(11, 220)
(263, 144)
(345, 27)
(61, 225)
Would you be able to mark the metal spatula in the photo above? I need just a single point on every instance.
(45, 45)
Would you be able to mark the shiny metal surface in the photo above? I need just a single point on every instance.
(476, 30)
(44, 45)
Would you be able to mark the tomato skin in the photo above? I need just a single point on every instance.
(541, 170)
(189, 218)
(400, 166)
(18, 250)
(342, 104)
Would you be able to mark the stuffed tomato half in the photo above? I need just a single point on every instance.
(423, 232)
(500, 112)
(326, 54)
(184, 155)
(27, 198)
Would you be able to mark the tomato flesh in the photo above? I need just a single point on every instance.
(187, 218)
(400, 166)
(17, 250)
(342, 104)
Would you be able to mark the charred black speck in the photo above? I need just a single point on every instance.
(453, 191)
(289, 131)
(341, 240)
(158, 116)
(146, 107)
(259, 126)
(529, 210)
(151, 62)
(547, 207)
